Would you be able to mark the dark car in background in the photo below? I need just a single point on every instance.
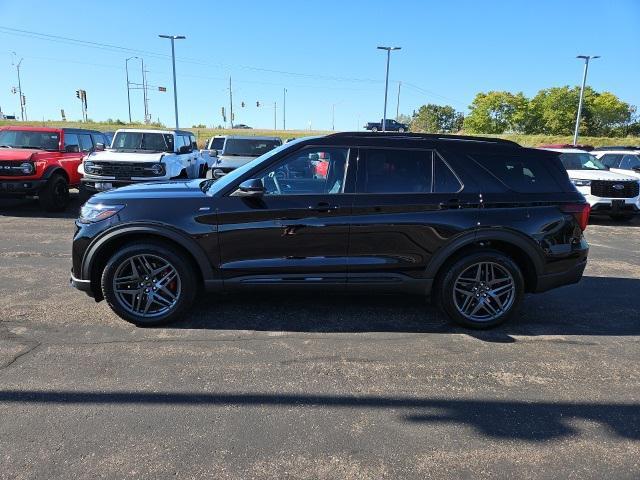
(474, 223)
(390, 126)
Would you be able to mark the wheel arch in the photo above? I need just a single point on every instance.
(101, 249)
(53, 170)
(524, 252)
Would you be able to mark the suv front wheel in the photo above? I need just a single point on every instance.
(54, 196)
(482, 289)
(148, 284)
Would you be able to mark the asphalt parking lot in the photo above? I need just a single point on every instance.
(314, 387)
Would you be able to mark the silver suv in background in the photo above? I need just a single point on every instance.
(238, 150)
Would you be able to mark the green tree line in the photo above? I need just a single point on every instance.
(551, 111)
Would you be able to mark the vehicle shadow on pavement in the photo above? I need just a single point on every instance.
(536, 421)
(595, 306)
(608, 222)
(29, 208)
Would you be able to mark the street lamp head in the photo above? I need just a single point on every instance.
(173, 37)
(389, 48)
(588, 57)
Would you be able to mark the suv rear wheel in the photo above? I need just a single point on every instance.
(54, 196)
(148, 284)
(482, 289)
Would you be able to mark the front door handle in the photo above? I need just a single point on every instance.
(323, 207)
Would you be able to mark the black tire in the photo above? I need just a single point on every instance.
(621, 217)
(185, 279)
(84, 194)
(54, 196)
(447, 296)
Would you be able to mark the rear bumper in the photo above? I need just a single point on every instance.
(13, 188)
(559, 279)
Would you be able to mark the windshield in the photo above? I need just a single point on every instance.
(49, 141)
(154, 142)
(215, 186)
(249, 147)
(581, 161)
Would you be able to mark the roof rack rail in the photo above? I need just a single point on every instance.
(426, 136)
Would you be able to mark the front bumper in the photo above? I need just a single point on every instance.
(82, 285)
(13, 188)
(610, 206)
(97, 184)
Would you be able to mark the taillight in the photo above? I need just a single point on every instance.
(580, 211)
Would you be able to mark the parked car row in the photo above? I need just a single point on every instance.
(47, 162)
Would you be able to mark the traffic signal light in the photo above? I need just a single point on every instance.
(242, 104)
(78, 94)
(257, 104)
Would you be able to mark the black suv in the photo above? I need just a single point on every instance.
(473, 222)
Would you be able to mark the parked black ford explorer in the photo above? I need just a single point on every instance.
(473, 222)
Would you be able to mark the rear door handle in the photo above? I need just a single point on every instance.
(323, 207)
(451, 203)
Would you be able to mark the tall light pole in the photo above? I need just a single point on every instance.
(386, 84)
(284, 109)
(173, 38)
(23, 107)
(398, 103)
(126, 69)
(584, 81)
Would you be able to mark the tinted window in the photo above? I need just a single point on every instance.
(85, 142)
(630, 162)
(71, 140)
(249, 147)
(143, 141)
(581, 161)
(313, 170)
(444, 180)
(194, 142)
(396, 171)
(527, 174)
(100, 138)
(611, 160)
(217, 143)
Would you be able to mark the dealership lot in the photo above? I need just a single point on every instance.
(314, 386)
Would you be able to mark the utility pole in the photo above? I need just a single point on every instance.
(126, 69)
(23, 103)
(386, 84)
(333, 116)
(584, 81)
(145, 96)
(230, 104)
(398, 104)
(275, 109)
(173, 38)
(284, 109)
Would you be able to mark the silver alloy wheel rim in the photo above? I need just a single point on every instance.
(484, 291)
(147, 285)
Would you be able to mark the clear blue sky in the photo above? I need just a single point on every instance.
(323, 53)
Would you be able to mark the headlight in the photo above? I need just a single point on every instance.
(581, 183)
(94, 212)
(90, 167)
(27, 168)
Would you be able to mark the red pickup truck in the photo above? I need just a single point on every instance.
(43, 162)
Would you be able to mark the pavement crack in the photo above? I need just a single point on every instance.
(31, 348)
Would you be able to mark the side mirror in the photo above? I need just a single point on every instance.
(213, 152)
(185, 149)
(72, 149)
(99, 147)
(251, 188)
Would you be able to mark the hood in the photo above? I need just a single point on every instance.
(598, 175)
(115, 156)
(18, 153)
(138, 191)
(235, 158)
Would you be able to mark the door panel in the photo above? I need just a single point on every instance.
(394, 235)
(297, 232)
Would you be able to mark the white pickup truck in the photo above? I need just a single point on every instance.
(137, 155)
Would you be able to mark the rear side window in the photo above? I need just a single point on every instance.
(630, 162)
(85, 142)
(397, 171)
(444, 180)
(525, 174)
(71, 143)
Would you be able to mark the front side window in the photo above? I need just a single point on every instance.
(29, 139)
(611, 160)
(630, 162)
(310, 171)
(581, 161)
(71, 142)
(85, 142)
(217, 143)
(396, 171)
